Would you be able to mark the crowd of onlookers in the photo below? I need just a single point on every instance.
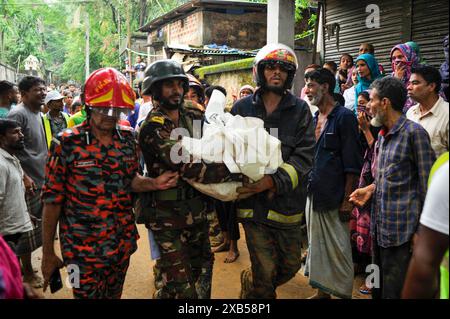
(401, 128)
(378, 136)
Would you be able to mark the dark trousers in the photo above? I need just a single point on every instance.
(393, 263)
(226, 213)
(275, 255)
(12, 240)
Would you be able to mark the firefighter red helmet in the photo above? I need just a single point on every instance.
(108, 88)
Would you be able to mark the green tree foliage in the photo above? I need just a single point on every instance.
(104, 42)
(26, 30)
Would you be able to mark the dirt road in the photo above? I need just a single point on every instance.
(226, 278)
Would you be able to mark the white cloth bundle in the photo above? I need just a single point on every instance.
(241, 143)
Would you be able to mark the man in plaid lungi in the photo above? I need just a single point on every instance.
(32, 159)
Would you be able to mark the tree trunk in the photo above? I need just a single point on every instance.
(1, 45)
(143, 12)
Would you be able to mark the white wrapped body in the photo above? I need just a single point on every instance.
(241, 143)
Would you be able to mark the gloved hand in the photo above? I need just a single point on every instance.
(264, 184)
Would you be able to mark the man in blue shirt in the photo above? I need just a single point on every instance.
(334, 176)
(404, 161)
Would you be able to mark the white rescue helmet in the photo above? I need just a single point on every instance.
(275, 53)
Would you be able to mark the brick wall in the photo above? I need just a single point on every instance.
(187, 31)
(243, 31)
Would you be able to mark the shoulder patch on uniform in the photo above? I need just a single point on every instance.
(71, 133)
(157, 119)
(68, 132)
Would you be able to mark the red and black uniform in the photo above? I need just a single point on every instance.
(92, 183)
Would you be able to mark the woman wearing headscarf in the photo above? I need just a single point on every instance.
(245, 91)
(368, 71)
(360, 219)
(403, 59)
(416, 49)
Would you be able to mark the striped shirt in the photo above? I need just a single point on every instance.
(405, 158)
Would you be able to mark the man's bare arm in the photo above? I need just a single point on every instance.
(421, 279)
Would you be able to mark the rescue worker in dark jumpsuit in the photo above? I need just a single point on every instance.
(271, 209)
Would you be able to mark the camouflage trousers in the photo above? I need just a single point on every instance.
(275, 256)
(184, 270)
(215, 233)
(101, 283)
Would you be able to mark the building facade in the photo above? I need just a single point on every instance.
(384, 23)
(236, 24)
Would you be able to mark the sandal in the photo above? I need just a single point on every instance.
(365, 290)
(304, 257)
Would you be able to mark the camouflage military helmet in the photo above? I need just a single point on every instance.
(163, 70)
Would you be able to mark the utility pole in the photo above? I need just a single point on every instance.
(87, 26)
(129, 41)
(1, 45)
(281, 22)
(119, 26)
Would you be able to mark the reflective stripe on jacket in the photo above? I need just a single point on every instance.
(48, 127)
(444, 158)
(293, 123)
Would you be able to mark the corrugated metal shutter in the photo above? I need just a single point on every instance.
(351, 17)
(423, 21)
(429, 27)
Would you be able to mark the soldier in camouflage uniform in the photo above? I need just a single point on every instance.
(177, 216)
(195, 98)
(89, 178)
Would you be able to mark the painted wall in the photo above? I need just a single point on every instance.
(232, 82)
(233, 75)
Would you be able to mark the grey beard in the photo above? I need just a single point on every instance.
(375, 122)
(316, 100)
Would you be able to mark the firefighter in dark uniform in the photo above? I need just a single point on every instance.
(177, 217)
(271, 209)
